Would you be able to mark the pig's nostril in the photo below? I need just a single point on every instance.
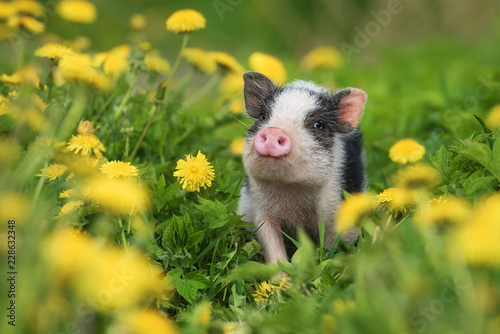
(281, 141)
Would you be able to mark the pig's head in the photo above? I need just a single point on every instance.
(296, 138)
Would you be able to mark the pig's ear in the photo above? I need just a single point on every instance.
(257, 87)
(351, 102)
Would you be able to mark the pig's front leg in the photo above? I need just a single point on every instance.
(271, 240)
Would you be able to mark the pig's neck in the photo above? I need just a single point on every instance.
(296, 205)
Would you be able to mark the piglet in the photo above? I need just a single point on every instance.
(302, 150)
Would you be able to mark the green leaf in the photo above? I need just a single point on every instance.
(440, 158)
(251, 248)
(496, 150)
(485, 128)
(163, 196)
(254, 270)
(214, 212)
(187, 288)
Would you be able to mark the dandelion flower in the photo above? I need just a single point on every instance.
(55, 171)
(323, 57)
(29, 23)
(117, 195)
(29, 7)
(145, 46)
(352, 209)
(493, 119)
(79, 11)
(406, 151)
(268, 65)
(115, 64)
(86, 143)
(237, 146)
(70, 207)
(138, 22)
(85, 127)
(7, 10)
(68, 193)
(80, 43)
(264, 291)
(228, 62)
(477, 240)
(237, 106)
(145, 321)
(203, 314)
(78, 67)
(451, 210)
(119, 169)
(156, 63)
(194, 172)
(416, 177)
(28, 75)
(200, 59)
(185, 21)
(15, 206)
(53, 51)
(393, 199)
(231, 85)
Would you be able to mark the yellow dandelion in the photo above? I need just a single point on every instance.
(194, 172)
(69, 208)
(29, 7)
(145, 46)
(285, 283)
(80, 164)
(200, 59)
(237, 106)
(418, 177)
(10, 150)
(5, 105)
(80, 43)
(237, 146)
(7, 10)
(156, 63)
(231, 85)
(106, 277)
(86, 127)
(68, 193)
(29, 23)
(119, 169)
(87, 143)
(493, 118)
(117, 195)
(138, 22)
(115, 64)
(55, 171)
(393, 199)
(185, 21)
(477, 240)
(145, 322)
(352, 209)
(323, 57)
(203, 314)
(15, 206)
(264, 291)
(228, 62)
(78, 67)
(268, 65)
(450, 210)
(406, 151)
(79, 11)
(28, 75)
(52, 51)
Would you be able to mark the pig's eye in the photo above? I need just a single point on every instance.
(319, 125)
(263, 116)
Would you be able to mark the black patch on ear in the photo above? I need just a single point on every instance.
(257, 89)
(265, 107)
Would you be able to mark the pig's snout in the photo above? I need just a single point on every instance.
(272, 142)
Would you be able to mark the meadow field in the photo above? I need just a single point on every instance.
(122, 126)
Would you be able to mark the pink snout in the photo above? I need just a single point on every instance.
(272, 142)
